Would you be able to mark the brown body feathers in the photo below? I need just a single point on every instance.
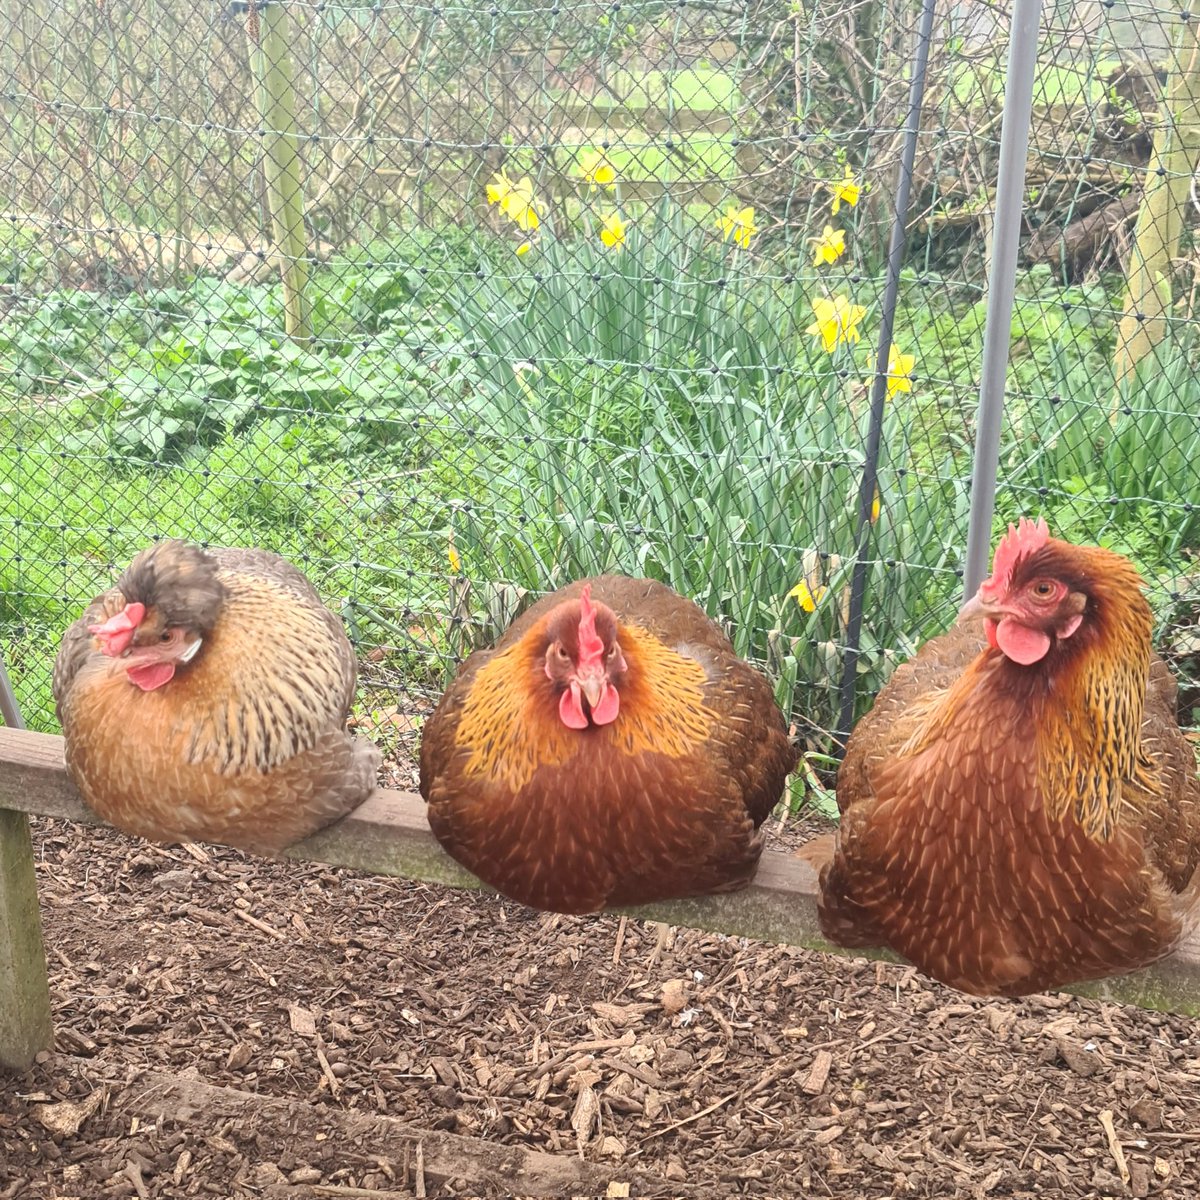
(1012, 828)
(246, 744)
(664, 801)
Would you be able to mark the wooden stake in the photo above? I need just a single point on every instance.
(25, 1026)
(1165, 201)
(275, 80)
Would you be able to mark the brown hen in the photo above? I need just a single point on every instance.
(206, 696)
(1019, 809)
(611, 750)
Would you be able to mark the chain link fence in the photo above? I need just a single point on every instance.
(453, 303)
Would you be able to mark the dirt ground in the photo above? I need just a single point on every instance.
(233, 1027)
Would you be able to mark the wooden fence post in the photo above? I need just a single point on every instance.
(275, 85)
(1166, 202)
(25, 1026)
(24, 989)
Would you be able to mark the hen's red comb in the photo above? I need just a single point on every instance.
(591, 648)
(1023, 539)
(126, 621)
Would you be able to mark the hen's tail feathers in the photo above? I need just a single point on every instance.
(362, 776)
(818, 852)
(1186, 905)
(341, 796)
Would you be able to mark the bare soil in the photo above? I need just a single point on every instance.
(235, 1027)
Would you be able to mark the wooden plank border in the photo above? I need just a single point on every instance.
(389, 835)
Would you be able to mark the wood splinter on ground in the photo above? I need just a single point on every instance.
(620, 941)
(436, 1155)
(1114, 1145)
(818, 1074)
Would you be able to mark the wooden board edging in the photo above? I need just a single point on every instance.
(389, 835)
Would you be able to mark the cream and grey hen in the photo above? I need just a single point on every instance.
(205, 697)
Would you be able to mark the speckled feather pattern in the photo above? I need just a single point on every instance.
(1011, 837)
(665, 802)
(247, 744)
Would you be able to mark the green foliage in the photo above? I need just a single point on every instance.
(44, 342)
(1118, 468)
(647, 410)
(672, 426)
(673, 299)
(178, 371)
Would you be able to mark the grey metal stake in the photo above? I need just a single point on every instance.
(8, 700)
(1002, 284)
(866, 491)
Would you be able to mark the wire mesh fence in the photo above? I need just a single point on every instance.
(453, 303)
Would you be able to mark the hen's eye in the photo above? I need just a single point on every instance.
(1043, 590)
(165, 636)
(561, 652)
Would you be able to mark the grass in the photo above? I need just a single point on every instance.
(1063, 86)
(701, 88)
(701, 157)
(74, 519)
(655, 411)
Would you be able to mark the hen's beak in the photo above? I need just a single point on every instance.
(980, 605)
(124, 656)
(593, 687)
(972, 610)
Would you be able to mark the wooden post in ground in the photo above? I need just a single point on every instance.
(24, 989)
(275, 85)
(1166, 201)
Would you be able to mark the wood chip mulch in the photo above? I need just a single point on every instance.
(234, 1027)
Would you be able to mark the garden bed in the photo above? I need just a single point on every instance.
(344, 1021)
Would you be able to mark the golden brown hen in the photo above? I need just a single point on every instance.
(206, 696)
(611, 750)
(1019, 809)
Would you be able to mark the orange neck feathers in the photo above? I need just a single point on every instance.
(1089, 728)
(510, 726)
(1082, 704)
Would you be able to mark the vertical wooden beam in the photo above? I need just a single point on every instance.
(1166, 202)
(275, 85)
(24, 989)
(25, 1026)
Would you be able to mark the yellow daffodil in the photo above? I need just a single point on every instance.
(612, 231)
(738, 223)
(829, 247)
(875, 507)
(499, 188)
(524, 248)
(807, 597)
(519, 205)
(515, 200)
(899, 378)
(846, 190)
(836, 323)
(596, 169)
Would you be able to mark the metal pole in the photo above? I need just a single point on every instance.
(8, 701)
(866, 491)
(1002, 284)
